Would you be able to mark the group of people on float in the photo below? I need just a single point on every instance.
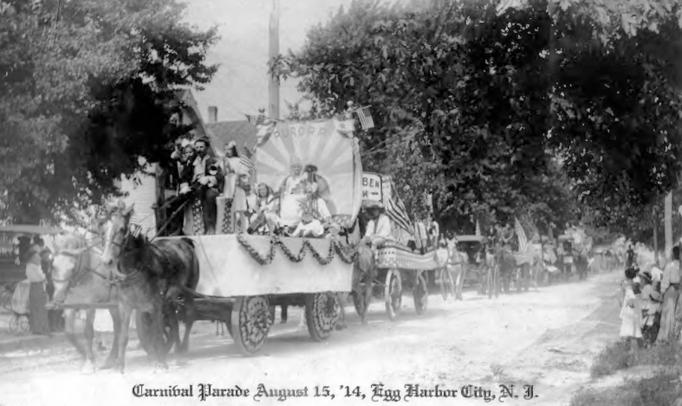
(651, 309)
(197, 173)
(299, 207)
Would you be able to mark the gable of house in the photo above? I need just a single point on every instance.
(242, 133)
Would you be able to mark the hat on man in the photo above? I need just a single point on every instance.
(203, 139)
(374, 204)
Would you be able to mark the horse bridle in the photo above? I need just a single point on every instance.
(125, 277)
(79, 274)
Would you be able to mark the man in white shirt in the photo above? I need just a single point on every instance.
(379, 226)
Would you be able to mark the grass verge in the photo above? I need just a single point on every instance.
(619, 356)
(662, 389)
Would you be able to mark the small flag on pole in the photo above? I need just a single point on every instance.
(395, 210)
(365, 117)
(247, 164)
(251, 119)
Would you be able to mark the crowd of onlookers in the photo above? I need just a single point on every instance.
(651, 311)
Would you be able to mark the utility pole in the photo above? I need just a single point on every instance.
(273, 84)
(655, 213)
(668, 214)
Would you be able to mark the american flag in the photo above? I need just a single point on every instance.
(247, 163)
(365, 117)
(395, 210)
(252, 119)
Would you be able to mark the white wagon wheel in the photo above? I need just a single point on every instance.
(321, 313)
(250, 323)
(393, 291)
(420, 293)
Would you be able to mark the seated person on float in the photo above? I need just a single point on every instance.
(378, 229)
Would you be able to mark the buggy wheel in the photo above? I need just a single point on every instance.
(23, 324)
(420, 293)
(250, 323)
(143, 326)
(14, 323)
(393, 291)
(321, 314)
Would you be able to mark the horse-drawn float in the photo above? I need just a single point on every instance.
(303, 258)
(394, 265)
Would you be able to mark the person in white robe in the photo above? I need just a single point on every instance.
(292, 195)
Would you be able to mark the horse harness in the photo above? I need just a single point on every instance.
(81, 270)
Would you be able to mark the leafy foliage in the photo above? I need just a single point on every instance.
(88, 87)
(460, 94)
(503, 109)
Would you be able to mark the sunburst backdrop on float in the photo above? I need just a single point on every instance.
(320, 143)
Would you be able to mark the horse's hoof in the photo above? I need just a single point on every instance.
(88, 368)
(108, 364)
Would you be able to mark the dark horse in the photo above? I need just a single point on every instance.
(156, 279)
(80, 281)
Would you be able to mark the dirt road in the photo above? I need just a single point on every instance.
(541, 342)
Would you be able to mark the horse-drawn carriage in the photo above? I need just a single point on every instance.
(394, 266)
(243, 275)
(469, 264)
(397, 268)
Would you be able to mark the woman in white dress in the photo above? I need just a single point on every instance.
(630, 312)
(292, 195)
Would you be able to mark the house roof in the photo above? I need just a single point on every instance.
(242, 133)
(29, 229)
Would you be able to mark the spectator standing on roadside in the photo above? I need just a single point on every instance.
(38, 319)
(651, 306)
(630, 312)
(670, 288)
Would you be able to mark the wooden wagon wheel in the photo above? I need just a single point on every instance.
(14, 323)
(393, 291)
(250, 323)
(23, 324)
(420, 293)
(321, 314)
(447, 283)
(143, 326)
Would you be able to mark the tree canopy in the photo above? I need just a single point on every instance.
(88, 88)
(507, 109)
